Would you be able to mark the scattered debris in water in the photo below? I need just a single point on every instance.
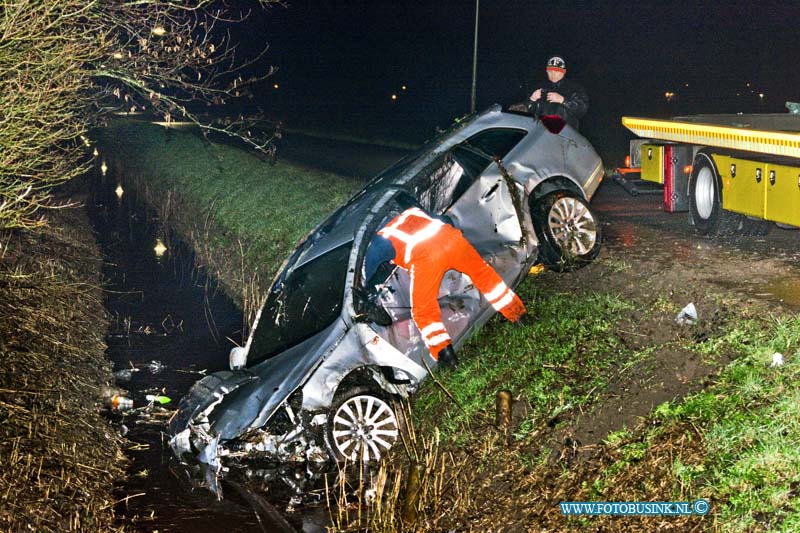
(124, 375)
(156, 367)
(157, 398)
(120, 403)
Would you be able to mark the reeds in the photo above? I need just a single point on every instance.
(407, 491)
(59, 457)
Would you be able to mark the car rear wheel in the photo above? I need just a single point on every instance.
(363, 425)
(568, 231)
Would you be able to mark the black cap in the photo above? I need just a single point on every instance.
(557, 63)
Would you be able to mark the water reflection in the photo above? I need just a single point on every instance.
(159, 248)
(171, 325)
(785, 290)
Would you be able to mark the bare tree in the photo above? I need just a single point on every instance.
(66, 64)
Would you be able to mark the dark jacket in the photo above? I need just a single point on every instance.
(576, 101)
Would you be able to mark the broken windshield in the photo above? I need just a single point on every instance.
(304, 301)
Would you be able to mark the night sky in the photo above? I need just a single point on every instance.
(340, 61)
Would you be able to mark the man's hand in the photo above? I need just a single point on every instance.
(536, 95)
(555, 98)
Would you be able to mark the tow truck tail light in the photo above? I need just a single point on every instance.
(687, 169)
(627, 161)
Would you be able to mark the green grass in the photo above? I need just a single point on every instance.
(556, 361)
(238, 205)
(743, 430)
(749, 421)
(752, 430)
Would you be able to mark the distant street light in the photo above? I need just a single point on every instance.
(474, 58)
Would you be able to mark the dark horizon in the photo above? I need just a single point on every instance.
(340, 62)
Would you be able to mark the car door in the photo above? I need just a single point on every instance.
(470, 191)
(483, 205)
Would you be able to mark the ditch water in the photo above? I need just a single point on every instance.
(169, 326)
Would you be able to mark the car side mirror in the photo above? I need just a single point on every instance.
(553, 123)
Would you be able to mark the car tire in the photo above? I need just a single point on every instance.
(568, 231)
(362, 425)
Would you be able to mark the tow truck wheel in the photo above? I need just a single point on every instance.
(705, 196)
(568, 231)
(362, 425)
(705, 202)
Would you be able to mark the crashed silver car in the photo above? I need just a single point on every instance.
(330, 351)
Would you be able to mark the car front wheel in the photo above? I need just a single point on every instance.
(568, 231)
(363, 425)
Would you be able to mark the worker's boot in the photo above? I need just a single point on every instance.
(447, 357)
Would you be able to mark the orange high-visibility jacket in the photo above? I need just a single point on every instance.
(427, 248)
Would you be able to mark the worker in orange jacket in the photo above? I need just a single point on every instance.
(427, 248)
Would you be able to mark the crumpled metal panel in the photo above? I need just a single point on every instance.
(252, 404)
(362, 346)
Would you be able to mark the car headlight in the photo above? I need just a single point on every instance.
(237, 358)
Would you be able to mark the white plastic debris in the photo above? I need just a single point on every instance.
(777, 360)
(237, 359)
(157, 398)
(155, 367)
(687, 316)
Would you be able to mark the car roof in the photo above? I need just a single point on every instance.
(342, 225)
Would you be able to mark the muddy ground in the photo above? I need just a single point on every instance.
(656, 260)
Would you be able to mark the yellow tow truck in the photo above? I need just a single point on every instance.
(734, 173)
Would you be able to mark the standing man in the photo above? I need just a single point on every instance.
(427, 247)
(559, 96)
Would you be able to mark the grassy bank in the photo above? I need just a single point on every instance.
(734, 444)
(733, 441)
(242, 215)
(58, 456)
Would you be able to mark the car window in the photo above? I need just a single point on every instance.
(441, 184)
(303, 302)
(496, 142)
(435, 191)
